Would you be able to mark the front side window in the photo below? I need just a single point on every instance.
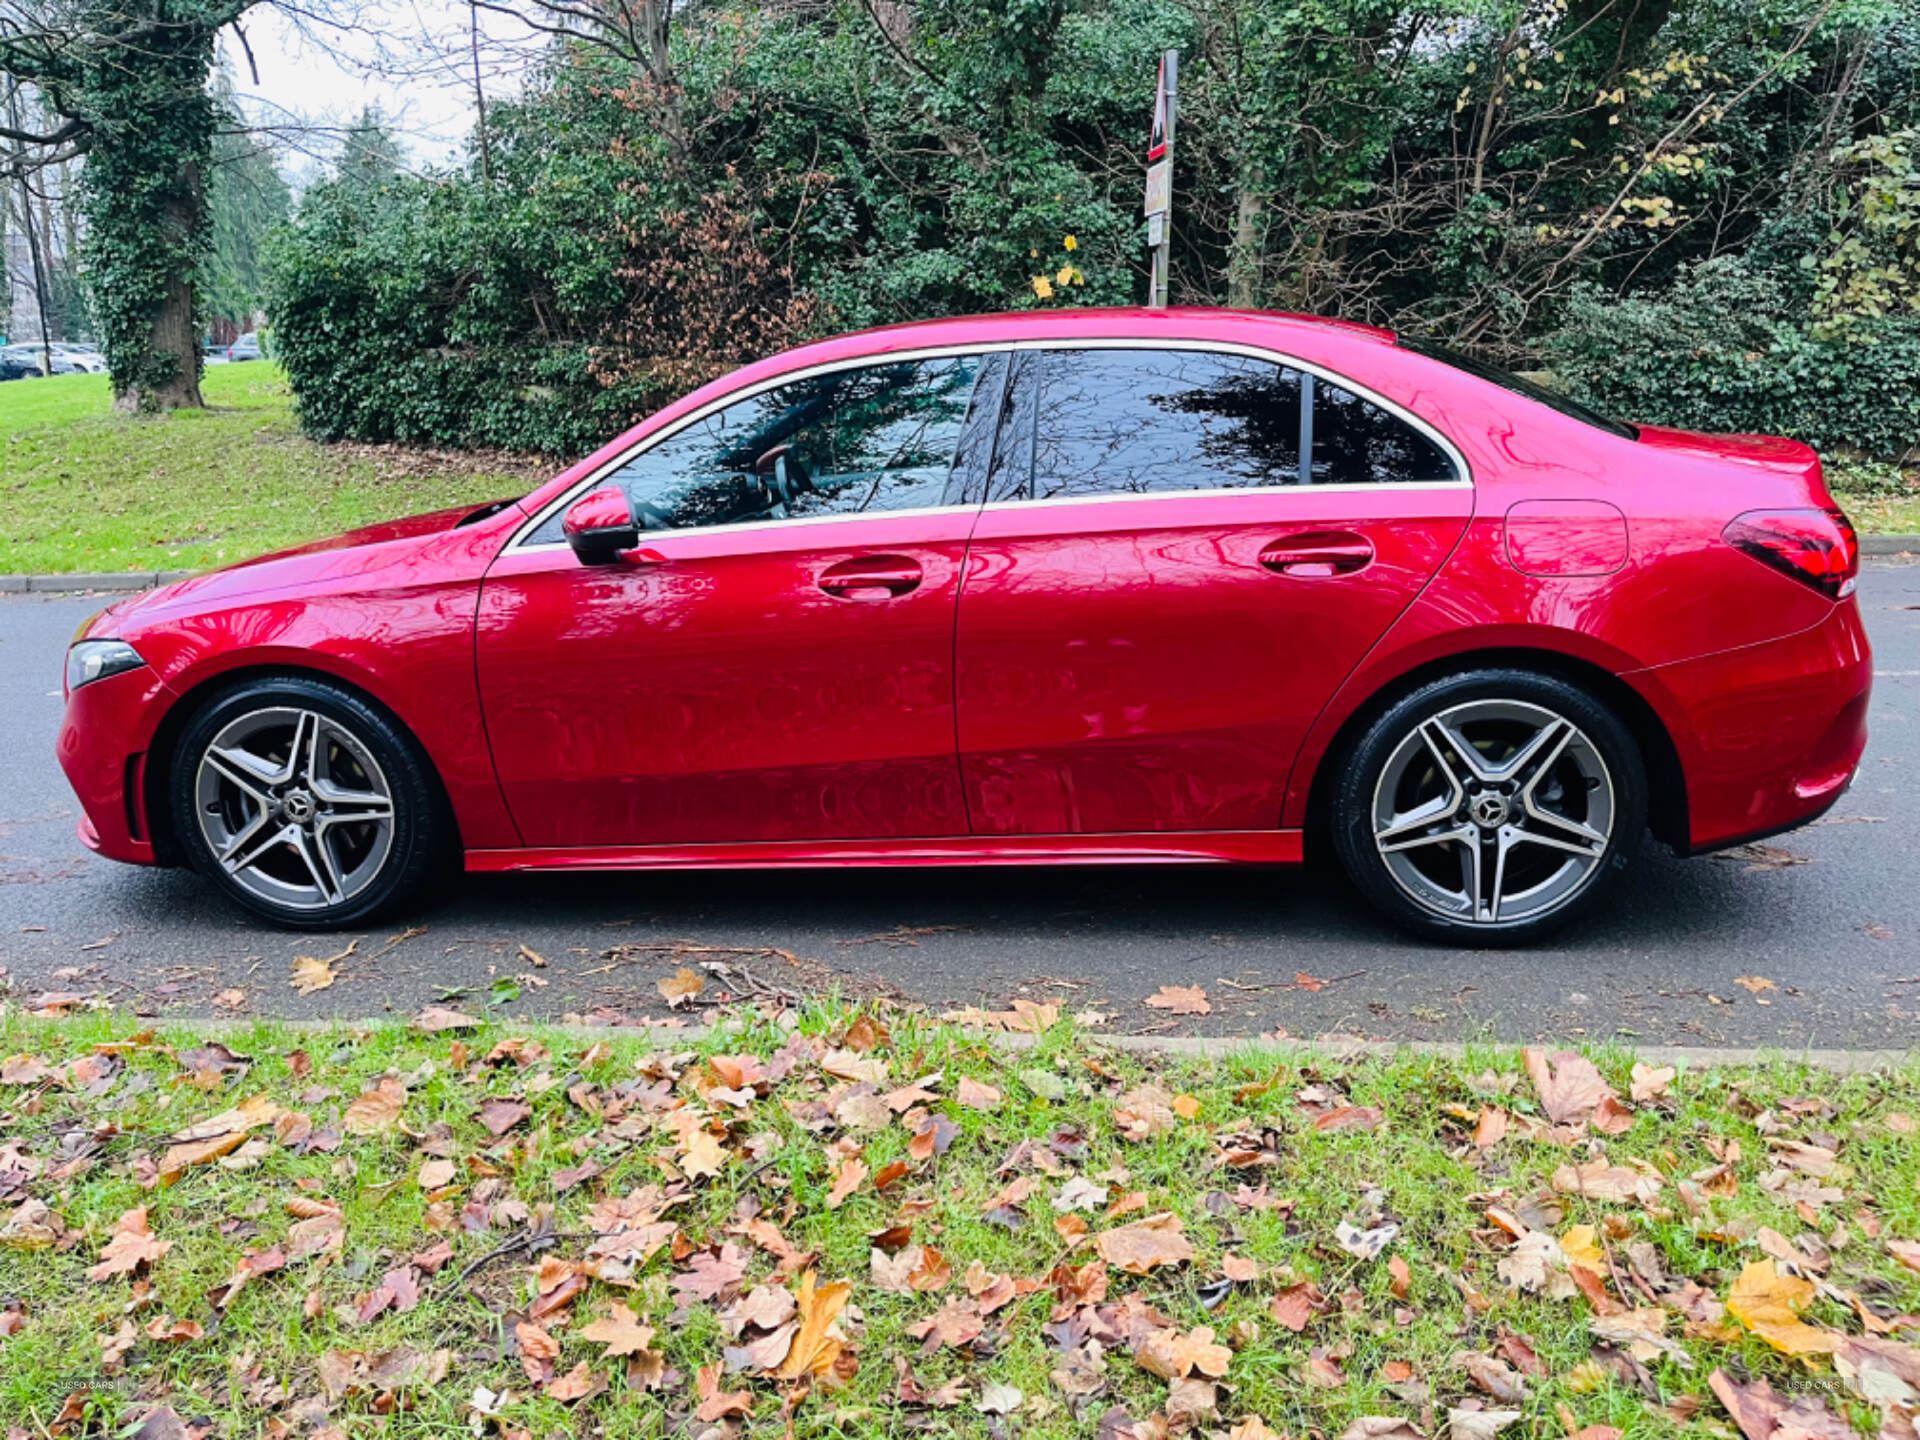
(852, 442)
(1139, 421)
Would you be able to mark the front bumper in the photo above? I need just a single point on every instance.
(103, 745)
(1773, 733)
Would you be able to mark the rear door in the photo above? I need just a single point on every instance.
(1182, 554)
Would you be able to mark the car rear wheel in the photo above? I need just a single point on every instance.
(304, 803)
(1490, 807)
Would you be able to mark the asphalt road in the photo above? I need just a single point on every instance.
(1838, 936)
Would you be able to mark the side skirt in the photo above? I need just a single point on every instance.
(1242, 847)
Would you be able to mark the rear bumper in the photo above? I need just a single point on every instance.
(103, 750)
(1772, 733)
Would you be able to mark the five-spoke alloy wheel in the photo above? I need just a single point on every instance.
(303, 802)
(1489, 807)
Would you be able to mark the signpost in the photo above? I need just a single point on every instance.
(1159, 203)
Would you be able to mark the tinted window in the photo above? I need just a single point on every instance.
(856, 441)
(1506, 380)
(1137, 421)
(1355, 442)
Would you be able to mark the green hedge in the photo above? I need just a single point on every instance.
(1728, 348)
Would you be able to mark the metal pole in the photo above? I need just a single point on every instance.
(1163, 252)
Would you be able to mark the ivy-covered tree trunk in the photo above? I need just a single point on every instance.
(144, 198)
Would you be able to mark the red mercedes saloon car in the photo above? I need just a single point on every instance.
(1053, 588)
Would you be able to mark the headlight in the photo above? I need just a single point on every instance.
(91, 660)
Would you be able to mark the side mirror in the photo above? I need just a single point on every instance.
(600, 525)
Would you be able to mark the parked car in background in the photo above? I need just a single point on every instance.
(84, 357)
(213, 353)
(12, 368)
(247, 347)
(33, 355)
(1113, 586)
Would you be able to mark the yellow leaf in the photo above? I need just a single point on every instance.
(1578, 1246)
(1768, 1303)
(1071, 243)
(814, 1348)
(1043, 287)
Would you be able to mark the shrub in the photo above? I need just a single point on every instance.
(1727, 348)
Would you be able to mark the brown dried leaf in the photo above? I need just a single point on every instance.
(1145, 1244)
(1181, 1000)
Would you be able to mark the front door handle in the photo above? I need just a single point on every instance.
(1318, 554)
(871, 577)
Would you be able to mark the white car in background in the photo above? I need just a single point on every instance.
(84, 357)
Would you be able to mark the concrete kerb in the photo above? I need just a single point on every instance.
(118, 583)
(1332, 1048)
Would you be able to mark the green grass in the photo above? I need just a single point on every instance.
(86, 489)
(90, 1158)
(1883, 515)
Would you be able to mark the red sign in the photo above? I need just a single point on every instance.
(1157, 142)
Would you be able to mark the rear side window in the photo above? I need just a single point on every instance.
(1355, 442)
(1138, 421)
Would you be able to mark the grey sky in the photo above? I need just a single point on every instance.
(408, 57)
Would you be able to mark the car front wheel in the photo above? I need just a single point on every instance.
(304, 803)
(1490, 807)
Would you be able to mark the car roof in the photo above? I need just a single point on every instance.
(1182, 321)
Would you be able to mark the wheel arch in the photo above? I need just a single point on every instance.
(1666, 778)
(207, 690)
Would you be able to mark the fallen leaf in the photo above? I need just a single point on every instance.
(715, 1403)
(375, 1110)
(1181, 1000)
(1649, 1082)
(1768, 1303)
(1478, 1424)
(1598, 1180)
(846, 1180)
(1762, 1414)
(1170, 1355)
(1145, 1244)
(1381, 1427)
(500, 1114)
(976, 1095)
(998, 1398)
(310, 974)
(1365, 1244)
(956, 1323)
(1754, 984)
(436, 1019)
(682, 988)
(620, 1331)
(131, 1246)
(1569, 1086)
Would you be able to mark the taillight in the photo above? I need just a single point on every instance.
(1817, 547)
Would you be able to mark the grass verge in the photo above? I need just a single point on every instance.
(91, 490)
(813, 1225)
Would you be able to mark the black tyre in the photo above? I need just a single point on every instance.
(1490, 807)
(304, 803)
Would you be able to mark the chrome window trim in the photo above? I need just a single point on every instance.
(520, 544)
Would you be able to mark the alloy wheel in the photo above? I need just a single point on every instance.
(1493, 812)
(294, 807)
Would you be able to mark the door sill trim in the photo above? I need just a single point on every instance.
(1189, 847)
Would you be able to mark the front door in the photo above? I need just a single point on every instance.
(1202, 548)
(775, 662)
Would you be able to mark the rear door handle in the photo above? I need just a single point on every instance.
(871, 577)
(1318, 554)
